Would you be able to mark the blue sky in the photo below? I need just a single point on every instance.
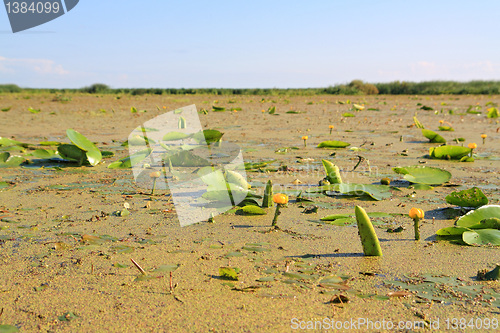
(247, 44)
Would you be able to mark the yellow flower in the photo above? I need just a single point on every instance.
(280, 198)
(441, 122)
(155, 174)
(484, 136)
(305, 137)
(416, 213)
(472, 145)
(331, 126)
(262, 110)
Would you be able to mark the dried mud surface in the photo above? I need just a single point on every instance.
(48, 270)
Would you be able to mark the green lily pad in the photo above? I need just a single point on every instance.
(472, 197)
(173, 136)
(6, 142)
(166, 268)
(333, 144)
(71, 153)
(92, 152)
(49, 143)
(209, 136)
(491, 223)
(376, 192)
(433, 136)
(424, 175)
(257, 165)
(335, 217)
(186, 158)
(449, 152)
(423, 187)
(493, 113)
(8, 161)
(347, 114)
(45, 153)
(342, 221)
(482, 237)
(68, 316)
(138, 140)
(228, 273)
(446, 128)
(478, 215)
(253, 210)
(218, 108)
(129, 161)
(8, 329)
(452, 231)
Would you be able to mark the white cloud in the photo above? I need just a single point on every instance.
(39, 66)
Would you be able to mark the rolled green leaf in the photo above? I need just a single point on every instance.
(332, 172)
(182, 122)
(369, 239)
(267, 201)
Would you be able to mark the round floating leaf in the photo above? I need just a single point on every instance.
(237, 179)
(228, 273)
(491, 223)
(476, 216)
(45, 153)
(342, 221)
(106, 154)
(79, 140)
(452, 231)
(449, 152)
(173, 136)
(7, 161)
(433, 136)
(209, 136)
(72, 153)
(482, 237)
(49, 143)
(6, 142)
(424, 175)
(131, 160)
(335, 217)
(253, 210)
(377, 192)
(218, 108)
(138, 140)
(92, 152)
(472, 197)
(187, 158)
(166, 268)
(333, 144)
(8, 329)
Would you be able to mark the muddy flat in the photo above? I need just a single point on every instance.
(65, 249)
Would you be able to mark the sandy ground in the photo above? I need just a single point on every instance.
(48, 271)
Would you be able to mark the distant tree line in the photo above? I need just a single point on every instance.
(355, 87)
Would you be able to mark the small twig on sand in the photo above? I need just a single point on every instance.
(138, 267)
(171, 283)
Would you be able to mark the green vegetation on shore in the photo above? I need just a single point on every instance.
(355, 87)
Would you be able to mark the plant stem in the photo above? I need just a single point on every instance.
(416, 228)
(154, 186)
(276, 214)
